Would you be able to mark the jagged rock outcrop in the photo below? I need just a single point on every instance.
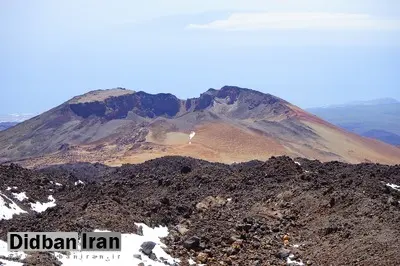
(141, 103)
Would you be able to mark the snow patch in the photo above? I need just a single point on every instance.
(192, 262)
(5, 254)
(297, 163)
(291, 262)
(395, 187)
(8, 188)
(10, 263)
(131, 246)
(41, 207)
(58, 184)
(79, 182)
(20, 196)
(8, 209)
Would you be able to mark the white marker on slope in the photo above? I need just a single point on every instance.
(191, 135)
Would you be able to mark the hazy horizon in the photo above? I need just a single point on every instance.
(309, 53)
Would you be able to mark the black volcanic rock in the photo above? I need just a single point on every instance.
(249, 97)
(162, 104)
(204, 101)
(87, 109)
(269, 200)
(147, 247)
(229, 91)
(118, 107)
(165, 104)
(141, 103)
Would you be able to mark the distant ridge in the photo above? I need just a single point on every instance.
(231, 124)
(378, 119)
(381, 101)
(5, 125)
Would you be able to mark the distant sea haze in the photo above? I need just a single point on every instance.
(16, 117)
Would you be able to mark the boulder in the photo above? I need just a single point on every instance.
(192, 243)
(147, 247)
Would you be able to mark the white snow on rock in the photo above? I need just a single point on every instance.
(41, 207)
(10, 263)
(297, 163)
(130, 246)
(8, 208)
(5, 254)
(8, 188)
(192, 262)
(20, 196)
(58, 184)
(395, 187)
(291, 262)
(79, 182)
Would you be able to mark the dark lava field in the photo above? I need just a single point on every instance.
(278, 212)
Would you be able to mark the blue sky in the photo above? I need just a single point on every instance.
(309, 52)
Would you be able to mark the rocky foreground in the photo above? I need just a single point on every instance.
(278, 212)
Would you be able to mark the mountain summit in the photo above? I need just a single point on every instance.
(118, 103)
(231, 124)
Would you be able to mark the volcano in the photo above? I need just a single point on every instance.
(232, 124)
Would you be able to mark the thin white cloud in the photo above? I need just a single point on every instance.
(299, 21)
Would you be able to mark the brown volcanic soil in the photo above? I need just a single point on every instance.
(337, 213)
